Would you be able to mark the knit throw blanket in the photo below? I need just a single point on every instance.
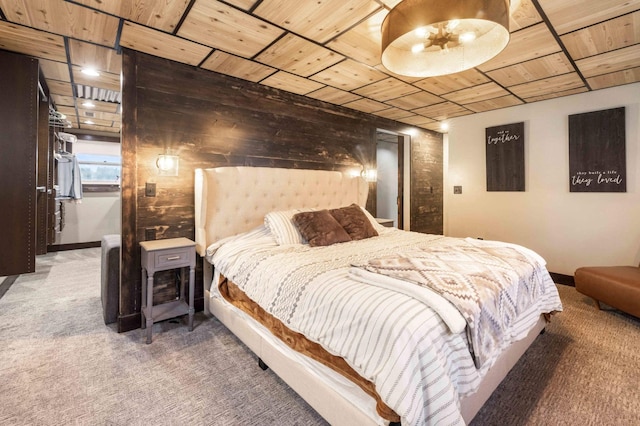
(490, 284)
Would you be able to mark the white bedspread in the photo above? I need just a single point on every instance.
(419, 367)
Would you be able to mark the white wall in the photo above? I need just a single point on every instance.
(568, 229)
(387, 184)
(99, 212)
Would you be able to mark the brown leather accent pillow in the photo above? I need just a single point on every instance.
(354, 221)
(320, 228)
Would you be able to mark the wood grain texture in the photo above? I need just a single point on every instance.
(236, 66)
(384, 90)
(349, 75)
(477, 93)
(291, 83)
(617, 60)
(362, 42)
(163, 15)
(317, 20)
(333, 95)
(215, 120)
(597, 151)
(32, 42)
(64, 18)
(218, 25)
(19, 107)
(298, 56)
(536, 69)
(452, 82)
(154, 42)
(567, 16)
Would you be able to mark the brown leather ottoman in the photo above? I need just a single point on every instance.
(617, 286)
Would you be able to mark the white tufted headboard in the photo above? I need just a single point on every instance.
(231, 200)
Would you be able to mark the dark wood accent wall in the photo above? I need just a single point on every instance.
(18, 141)
(42, 197)
(426, 184)
(211, 120)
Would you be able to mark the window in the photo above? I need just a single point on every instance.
(100, 172)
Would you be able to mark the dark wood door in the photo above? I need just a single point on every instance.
(18, 141)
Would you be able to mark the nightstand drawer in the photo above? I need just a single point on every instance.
(172, 258)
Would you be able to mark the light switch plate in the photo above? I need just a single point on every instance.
(149, 234)
(150, 189)
(457, 189)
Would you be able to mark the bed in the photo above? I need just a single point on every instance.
(309, 322)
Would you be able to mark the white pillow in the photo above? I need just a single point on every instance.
(282, 228)
(379, 228)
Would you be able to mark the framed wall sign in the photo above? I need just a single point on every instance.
(597, 159)
(505, 157)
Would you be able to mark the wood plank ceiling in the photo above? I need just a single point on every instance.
(324, 49)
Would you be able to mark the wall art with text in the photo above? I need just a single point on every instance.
(505, 157)
(597, 159)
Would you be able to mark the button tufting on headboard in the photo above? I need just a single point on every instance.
(231, 200)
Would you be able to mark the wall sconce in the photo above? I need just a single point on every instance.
(369, 175)
(167, 165)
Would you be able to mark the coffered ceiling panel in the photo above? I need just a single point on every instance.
(328, 50)
(298, 56)
(235, 66)
(319, 20)
(384, 90)
(526, 44)
(394, 113)
(105, 80)
(548, 86)
(415, 100)
(604, 37)
(367, 105)
(476, 93)
(218, 25)
(333, 95)
(613, 61)
(349, 75)
(291, 83)
(60, 87)
(53, 70)
(61, 100)
(495, 103)
(571, 15)
(536, 69)
(163, 15)
(452, 82)
(615, 79)
(362, 42)
(157, 43)
(442, 111)
(524, 16)
(64, 18)
(94, 56)
(29, 41)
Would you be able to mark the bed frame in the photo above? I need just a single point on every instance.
(230, 200)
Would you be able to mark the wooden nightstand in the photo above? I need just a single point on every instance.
(385, 222)
(162, 255)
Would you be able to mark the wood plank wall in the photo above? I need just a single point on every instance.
(210, 120)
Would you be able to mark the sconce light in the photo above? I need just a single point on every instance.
(370, 175)
(167, 165)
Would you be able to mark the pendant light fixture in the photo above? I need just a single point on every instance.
(427, 38)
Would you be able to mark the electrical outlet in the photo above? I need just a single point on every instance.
(149, 234)
(457, 189)
(150, 189)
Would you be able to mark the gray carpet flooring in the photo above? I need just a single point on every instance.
(60, 365)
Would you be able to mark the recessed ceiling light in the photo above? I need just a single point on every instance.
(89, 122)
(90, 71)
(444, 126)
(88, 104)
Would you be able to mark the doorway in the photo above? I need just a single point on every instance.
(392, 185)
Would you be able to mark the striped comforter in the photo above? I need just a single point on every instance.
(420, 369)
